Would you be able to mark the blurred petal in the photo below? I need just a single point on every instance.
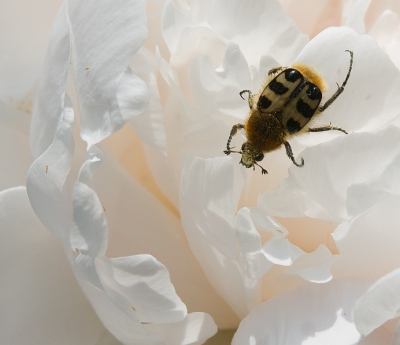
(380, 303)
(40, 302)
(25, 31)
(149, 125)
(356, 10)
(49, 102)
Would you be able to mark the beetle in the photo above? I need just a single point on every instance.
(288, 100)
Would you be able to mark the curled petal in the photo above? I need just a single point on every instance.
(145, 283)
(46, 178)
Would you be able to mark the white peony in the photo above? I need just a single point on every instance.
(167, 237)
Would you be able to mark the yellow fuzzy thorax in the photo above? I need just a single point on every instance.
(311, 74)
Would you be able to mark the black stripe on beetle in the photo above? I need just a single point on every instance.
(292, 126)
(292, 75)
(277, 87)
(263, 102)
(304, 109)
(313, 92)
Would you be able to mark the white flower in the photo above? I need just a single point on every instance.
(155, 221)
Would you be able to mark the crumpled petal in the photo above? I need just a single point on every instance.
(380, 303)
(46, 179)
(311, 314)
(144, 282)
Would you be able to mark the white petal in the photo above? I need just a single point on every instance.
(126, 329)
(49, 102)
(370, 241)
(315, 191)
(149, 125)
(263, 221)
(145, 283)
(206, 189)
(281, 252)
(184, 38)
(367, 102)
(46, 178)
(207, 201)
(314, 267)
(258, 27)
(105, 37)
(134, 228)
(195, 329)
(255, 263)
(312, 314)
(40, 302)
(89, 232)
(380, 303)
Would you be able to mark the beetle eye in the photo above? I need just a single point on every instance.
(259, 157)
(244, 146)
